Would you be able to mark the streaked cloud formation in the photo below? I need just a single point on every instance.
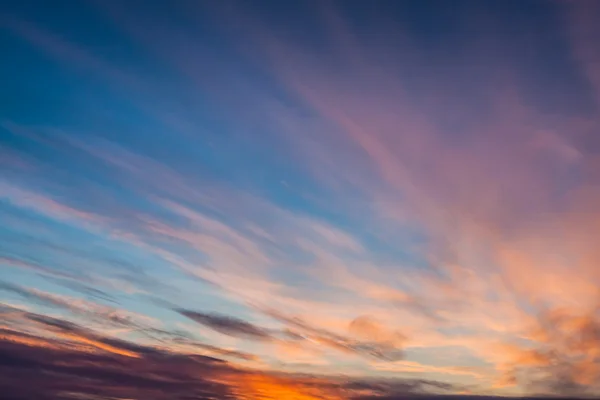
(316, 200)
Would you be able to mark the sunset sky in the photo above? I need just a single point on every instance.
(299, 199)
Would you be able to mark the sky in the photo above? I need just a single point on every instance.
(300, 200)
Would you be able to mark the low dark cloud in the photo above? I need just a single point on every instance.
(36, 372)
(389, 387)
(83, 364)
(228, 325)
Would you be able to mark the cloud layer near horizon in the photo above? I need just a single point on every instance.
(405, 198)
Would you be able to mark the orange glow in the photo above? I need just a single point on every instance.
(28, 341)
(265, 387)
(100, 345)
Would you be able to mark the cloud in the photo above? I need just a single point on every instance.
(430, 201)
(217, 351)
(365, 346)
(562, 356)
(40, 367)
(369, 339)
(93, 312)
(368, 328)
(154, 376)
(389, 389)
(491, 208)
(72, 332)
(228, 325)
